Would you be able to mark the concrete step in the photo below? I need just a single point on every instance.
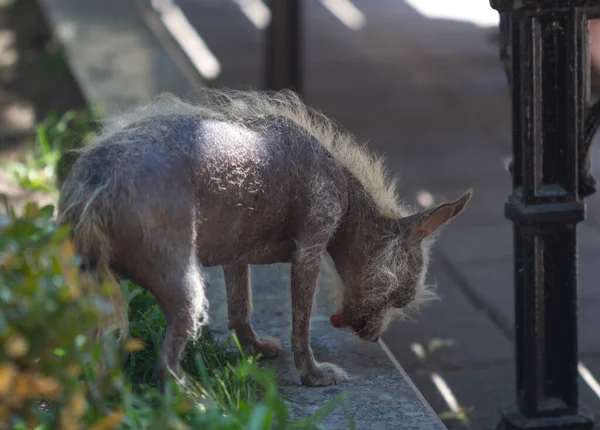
(116, 57)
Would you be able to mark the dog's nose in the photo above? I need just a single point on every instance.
(376, 339)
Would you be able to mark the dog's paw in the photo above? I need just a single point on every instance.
(323, 375)
(267, 347)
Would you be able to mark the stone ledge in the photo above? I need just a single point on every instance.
(381, 394)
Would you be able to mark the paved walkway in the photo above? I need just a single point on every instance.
(431, 95)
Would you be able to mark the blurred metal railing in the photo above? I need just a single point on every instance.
(545, 50)
(283, 66)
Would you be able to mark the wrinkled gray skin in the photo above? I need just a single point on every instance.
(199, 192)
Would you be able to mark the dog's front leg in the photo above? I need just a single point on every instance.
(305, 274)
(239, 308)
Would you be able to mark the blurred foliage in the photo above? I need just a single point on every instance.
(51, 153)
(47, 365)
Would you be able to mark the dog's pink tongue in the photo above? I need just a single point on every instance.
(337, 320)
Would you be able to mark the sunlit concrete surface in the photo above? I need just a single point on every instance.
(474, 11)
(188, 38)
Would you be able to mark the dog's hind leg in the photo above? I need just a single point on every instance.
(179, 291)
(239, 307)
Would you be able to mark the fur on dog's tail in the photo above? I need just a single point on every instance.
(81, 207)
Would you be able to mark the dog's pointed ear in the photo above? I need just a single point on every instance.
(423, 224)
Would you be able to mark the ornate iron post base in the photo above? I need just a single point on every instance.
(512, 419)
(283, 46)
(547, 62)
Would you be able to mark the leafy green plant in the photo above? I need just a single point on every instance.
(46, 308)
(49, 157)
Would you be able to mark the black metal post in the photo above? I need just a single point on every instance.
(547, 62)
(283, 46)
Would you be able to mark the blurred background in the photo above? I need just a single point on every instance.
(419, 80)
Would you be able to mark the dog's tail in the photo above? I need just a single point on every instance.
(81, 208)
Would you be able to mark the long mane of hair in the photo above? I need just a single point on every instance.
(241, 106)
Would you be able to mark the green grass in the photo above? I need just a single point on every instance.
(214, 362)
